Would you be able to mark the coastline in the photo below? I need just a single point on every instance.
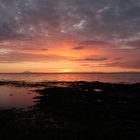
(75, 110)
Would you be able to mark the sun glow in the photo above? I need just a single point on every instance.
(66, 70)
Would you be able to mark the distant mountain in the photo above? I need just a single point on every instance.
(27, 72)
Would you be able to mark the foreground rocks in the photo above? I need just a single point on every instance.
(76, 111)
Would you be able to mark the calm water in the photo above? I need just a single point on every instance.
(16, 97)
(115, 78)
(20, 97)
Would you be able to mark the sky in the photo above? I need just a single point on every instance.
(69, 35)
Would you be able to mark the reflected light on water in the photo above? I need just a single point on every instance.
(16, 97)
(89, 77)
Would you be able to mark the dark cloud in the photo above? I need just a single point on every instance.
(93, 42)
(78, 48)
(92, 58)
(135, 44)
(127, 64)
(27, 17)
(99, 19)
(95, 58)
(5, 29)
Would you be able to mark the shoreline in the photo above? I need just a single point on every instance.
(44, 83)
(75, 111)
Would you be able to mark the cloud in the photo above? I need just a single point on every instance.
(91, 59)
(8, 56)
(5, 51)
(135, 64)
(78, 48)
(81, 18)
(86, 44)
(85, 65)
(100, 19)
(45, 25)
(80, 25)
(95, 58)
(93, 42)
(134, 44)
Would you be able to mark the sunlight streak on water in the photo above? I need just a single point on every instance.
(115, 78)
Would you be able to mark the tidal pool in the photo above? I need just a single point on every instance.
(16, 97)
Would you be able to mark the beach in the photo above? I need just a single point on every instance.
(74, 111)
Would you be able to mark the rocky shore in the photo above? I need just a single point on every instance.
(75, 111)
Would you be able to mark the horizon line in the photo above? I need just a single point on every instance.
(29, 72)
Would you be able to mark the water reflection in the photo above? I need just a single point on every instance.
(102, 77)
(16, 97)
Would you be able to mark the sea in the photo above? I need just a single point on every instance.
(23, 97)
(88, 77)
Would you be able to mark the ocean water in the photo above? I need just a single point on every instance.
(22, 97)
(89, 77)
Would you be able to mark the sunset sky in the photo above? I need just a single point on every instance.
(69, 35)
